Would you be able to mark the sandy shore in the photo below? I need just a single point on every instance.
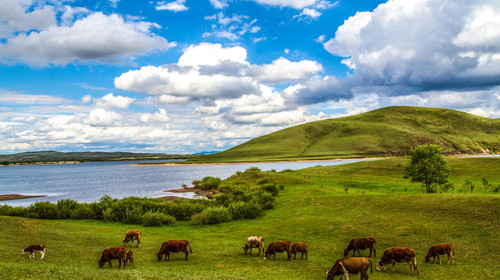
(17, 196)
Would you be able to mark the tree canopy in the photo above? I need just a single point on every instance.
(428, 166)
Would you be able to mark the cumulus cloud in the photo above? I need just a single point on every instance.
(111, 101)
(95, 37)
(219, 4)
(16, 17)
(102, 117)
(175, 6)
(411, 47)
(159, 116)
(231, 28)
(210, 72)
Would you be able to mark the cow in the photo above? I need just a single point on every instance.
(441, 249)
(174, 246)
(131, 236)
(33, 248)
(344, 266)
(299, 247)
(278, 246)
(254, 242)
(113, 253)
(361, 243)
(130, 257)
(398, 254)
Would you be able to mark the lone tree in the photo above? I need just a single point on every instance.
(427, 166)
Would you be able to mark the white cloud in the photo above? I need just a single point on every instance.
(16, 18)
(160, 116)
(282, 70)
(111, 101)
(101, 117)
(211, 54)
(10, 97)
(219, 4)
(308, 13)
(175, 6)
(97, 37)
(296, 4)
(231, 28)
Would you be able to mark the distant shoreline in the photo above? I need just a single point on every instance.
(4, 197)
(255, 162)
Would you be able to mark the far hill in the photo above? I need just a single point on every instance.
(53, 156)
(390, 131)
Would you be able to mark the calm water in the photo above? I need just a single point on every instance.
(87, 182)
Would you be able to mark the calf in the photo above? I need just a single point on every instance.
(174, 246)
(131, 236)
(398, 254)
(254, 242)
(350, 265)
(299, 247)
(278, 246)
(113, 253)
(361, 243)
(33, 248)
(130, 257)
(441, 249)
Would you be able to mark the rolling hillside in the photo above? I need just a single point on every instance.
(383, 132)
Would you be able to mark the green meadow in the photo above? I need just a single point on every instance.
(323, 206)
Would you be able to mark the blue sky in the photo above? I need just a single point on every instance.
(187, 76)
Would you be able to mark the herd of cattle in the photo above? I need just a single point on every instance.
(342, 267)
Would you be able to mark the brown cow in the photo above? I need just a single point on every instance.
(398, 254)
(441, 249)
(278, 246)
(254, 242)
(130, 257)
(33, 248)
(174, 246)
(299, 247)
(361, 243)
(113, 253)
(344, 266)
(131, 236)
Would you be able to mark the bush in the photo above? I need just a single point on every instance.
(210, 183)
(183, 210)
(82, 212)
(43, 210)
(245, 210)
(263, 181)
(270, 188)
(212, 215)
(253, 169)
(65, 207)
(265, 200)
(152, 219)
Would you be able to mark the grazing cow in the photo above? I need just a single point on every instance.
(130, 257)
(174, 246)
(398, 254)
(299, 247)
(278, 246)
(441, 249)
(33, 248)
(344, 266)
(131, 236)
(254, 242)
(113, 253)
(361, 243)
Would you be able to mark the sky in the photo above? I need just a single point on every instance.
(188, 76)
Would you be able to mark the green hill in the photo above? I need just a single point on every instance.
(387, 131)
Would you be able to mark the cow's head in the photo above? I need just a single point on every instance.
(23, 252)
(101, 263)
(329, 275)
(380, 264)
(130, 257)
(427, 258)
(159, 256)
(346, 252)
(245, 248)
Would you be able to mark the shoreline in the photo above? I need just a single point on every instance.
(5, 197)
(256, 162)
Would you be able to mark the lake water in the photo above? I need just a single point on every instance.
(87, 182)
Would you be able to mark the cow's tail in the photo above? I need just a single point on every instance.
(371, 269)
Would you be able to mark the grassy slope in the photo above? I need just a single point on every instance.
(386, 131)
(313, 208)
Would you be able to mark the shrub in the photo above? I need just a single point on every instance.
(210, 183)
(65, 207)
(253, 169)
(183, 211)
(265, 200)
(245, 210)
(43, 210)
(270, 188)
(152, 219)
(212, 215)
(224, 199)
(82, 212)
(263, 181)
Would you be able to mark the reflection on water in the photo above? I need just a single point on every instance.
(87, 182)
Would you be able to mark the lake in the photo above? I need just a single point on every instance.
(87, 182)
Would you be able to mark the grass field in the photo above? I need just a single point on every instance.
(314, 207)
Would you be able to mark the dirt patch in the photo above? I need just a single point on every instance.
(17, 196)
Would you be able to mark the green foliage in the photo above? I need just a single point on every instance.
(43, 210)
(152, 219)
(82, 212)
(209, 183)
(245, 210)
(427, 166)
(212, 215)
(468, 185)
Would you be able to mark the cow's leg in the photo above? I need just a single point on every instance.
(138, 243)
(393, 266)
(306, 255)
(251, 250)
(358, 252)
(411, 267)
(168, 256)
(258, 253)
(187, 255)
(42, 254)
(439, 259)
(110, 265)
(433, 259)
